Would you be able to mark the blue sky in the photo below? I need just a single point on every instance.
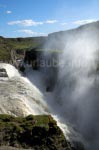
(23, 18)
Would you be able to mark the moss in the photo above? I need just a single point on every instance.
(38, 132)
(6, 118)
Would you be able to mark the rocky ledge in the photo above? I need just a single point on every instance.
(32, 132)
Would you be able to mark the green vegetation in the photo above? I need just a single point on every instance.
(18, 44)
(25, 43)
(4, 50)
(38, 132)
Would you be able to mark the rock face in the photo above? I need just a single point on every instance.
(32, 132)
(31, 57)
(3, 72)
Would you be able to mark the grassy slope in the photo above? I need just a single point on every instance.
(8, 44)
(24, 43)
(4, 50)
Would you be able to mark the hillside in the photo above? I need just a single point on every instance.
(17, 44)
(58, 40)
(54, 41)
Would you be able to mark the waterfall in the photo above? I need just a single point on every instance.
(18, 96)
(76, 94)
(68, 89)
(21, 96)
(11, 70)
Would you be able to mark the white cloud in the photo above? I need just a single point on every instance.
(30, 32)
(51, 21)
(82, 22)
(8, 11)
(31, 22)
(64, 23)
(25, 23)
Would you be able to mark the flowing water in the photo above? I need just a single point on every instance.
(18, 96)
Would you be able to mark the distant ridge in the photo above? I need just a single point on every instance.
(8, 44)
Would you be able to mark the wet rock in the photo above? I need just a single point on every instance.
(3, 72)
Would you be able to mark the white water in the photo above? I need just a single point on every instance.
(18, 96)
(11, 70)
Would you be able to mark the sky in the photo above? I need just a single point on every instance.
(29, 18)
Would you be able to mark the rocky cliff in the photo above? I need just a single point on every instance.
(34, 132)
